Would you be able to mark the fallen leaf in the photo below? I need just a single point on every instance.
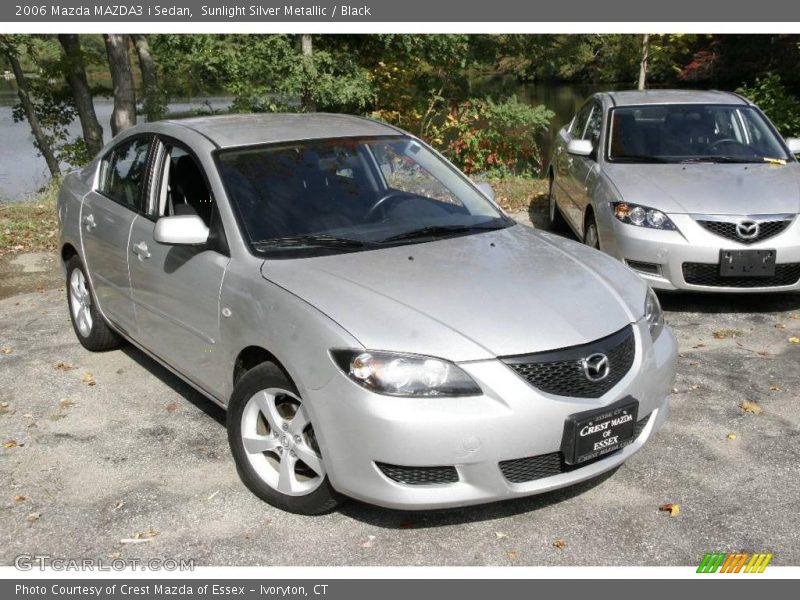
(369, 542)
(775, 388)
(731, 436)
(559, 544)
(33, 517)
(88, 379)
(19, 498)
(151, 532)
(172, 407)
(794, 340)
(512, 554)
(118, 505)
(694, 363)
(4, 408)
(10, 444)
(62, 366)
(699, 346)
(794, 316)
(500, 535)
(764, 353)
(722, 334)
(779, 326)
(673, 508)
(751, 407)
(65, 403)
(694, 386)
(6, 349)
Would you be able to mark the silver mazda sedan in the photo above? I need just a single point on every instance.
(692, 190)
(373, 323)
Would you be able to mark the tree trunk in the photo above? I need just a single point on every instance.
(153, 108)
(30, 113)
(307, 46)
(119, 63)
(75, 73)
(643, 62)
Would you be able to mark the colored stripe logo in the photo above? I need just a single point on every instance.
(734, 562)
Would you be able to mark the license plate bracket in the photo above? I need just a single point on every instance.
(597, 432)
(747, 263)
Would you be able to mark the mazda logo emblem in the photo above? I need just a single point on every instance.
(747, 230)
(596, 367)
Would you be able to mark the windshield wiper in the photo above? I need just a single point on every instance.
(435, 230)
(640, 158)
(318, 240)
(720, 159)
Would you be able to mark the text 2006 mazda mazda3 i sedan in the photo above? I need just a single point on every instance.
(374, 324)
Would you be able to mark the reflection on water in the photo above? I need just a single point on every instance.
(23, 171)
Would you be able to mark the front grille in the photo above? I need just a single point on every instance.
(419, 475)
(521, 470)
(727, 229)
(560, 372)
(708, 274)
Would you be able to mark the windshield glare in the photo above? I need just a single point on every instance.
(681, 133)
(309, 194)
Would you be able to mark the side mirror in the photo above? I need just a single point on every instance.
(580, 147)
(794, 145)
(486, 189)
(181, 230)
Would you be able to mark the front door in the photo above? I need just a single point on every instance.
(176, 289)
(107, 215)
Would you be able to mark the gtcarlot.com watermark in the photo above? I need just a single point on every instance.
(42, 562)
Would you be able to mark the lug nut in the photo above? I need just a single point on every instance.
(297, 439)
(292, 453)
(285, 426)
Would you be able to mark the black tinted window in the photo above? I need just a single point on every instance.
(124, 171)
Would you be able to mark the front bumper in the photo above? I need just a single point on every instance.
(357, 429)
(669, 250)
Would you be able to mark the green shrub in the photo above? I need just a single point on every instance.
(782, 108)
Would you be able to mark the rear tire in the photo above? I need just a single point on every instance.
(273, 443)
(555, 218)
(90, 328)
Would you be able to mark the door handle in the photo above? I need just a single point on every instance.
(141, 250)
(88, 222)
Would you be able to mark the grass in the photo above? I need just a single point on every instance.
(516, 193)
(30, 226)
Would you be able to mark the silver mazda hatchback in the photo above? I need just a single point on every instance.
(692, 190)
(375, 326)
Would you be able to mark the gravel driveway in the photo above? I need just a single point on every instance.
(97, 448)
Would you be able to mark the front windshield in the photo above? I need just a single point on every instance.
(692, 133)
(349, 194)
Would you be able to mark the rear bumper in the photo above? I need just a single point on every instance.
(669, 250)
(512, 420)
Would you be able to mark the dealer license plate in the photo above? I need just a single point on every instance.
(594, 433)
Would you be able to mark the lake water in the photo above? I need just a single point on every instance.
(23, 170)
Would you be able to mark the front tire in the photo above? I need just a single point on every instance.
(273, 443)
(590, 235)
(91, 330)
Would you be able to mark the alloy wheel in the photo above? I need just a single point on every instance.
(279, 442)
(80, 302)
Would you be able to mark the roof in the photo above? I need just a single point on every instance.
(638, 97)
(265, 128)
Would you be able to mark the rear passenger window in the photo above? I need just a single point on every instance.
(123, 172)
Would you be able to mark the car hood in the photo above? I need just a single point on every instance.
(719, 189)
(499, 293)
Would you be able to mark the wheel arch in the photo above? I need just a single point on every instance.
(67, 252)
(252, 356)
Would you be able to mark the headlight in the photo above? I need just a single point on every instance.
(642, 216)
(398, 374)
(653, 314)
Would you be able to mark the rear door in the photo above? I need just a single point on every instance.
(107, 214)
(176, 289)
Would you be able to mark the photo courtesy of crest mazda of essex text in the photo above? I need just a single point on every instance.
(399, 299)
